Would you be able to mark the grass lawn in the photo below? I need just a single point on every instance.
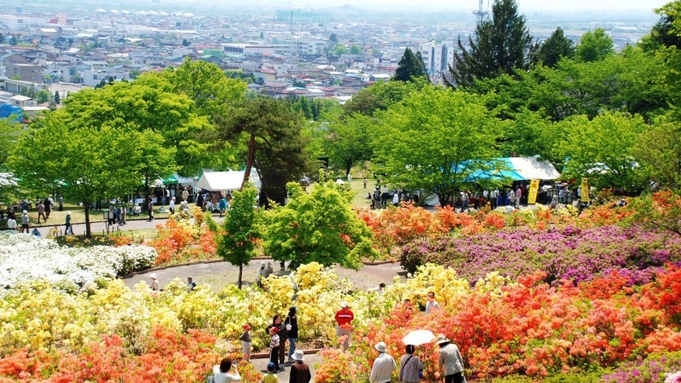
(78, 216)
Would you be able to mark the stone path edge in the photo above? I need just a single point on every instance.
(152, 269)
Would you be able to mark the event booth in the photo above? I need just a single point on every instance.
(226, 181)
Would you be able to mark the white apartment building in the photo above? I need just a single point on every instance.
(437, 58)
(303, 44)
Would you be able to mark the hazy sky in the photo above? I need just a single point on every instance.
(584, 5)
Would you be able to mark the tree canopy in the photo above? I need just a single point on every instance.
(500, 45)
(555, 48)
(410, 67)
(319, 226)
(594, 46)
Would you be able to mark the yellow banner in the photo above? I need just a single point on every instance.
(585, 190)
(534, 189)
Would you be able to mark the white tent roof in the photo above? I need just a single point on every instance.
(530, 168)
(226, 181)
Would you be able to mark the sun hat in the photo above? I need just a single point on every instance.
(344, 304)
(68, 213)
(442, 339)
(380, 347)
(298, 355)
(247, 327)
(25, 212)
(153, 276)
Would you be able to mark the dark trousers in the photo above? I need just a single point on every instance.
(151, 215)
(454, 378)
(282, 351)
(274, 356)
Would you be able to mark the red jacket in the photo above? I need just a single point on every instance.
(344, 316)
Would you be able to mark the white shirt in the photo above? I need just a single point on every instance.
(172, 204)
(225, 377)
(431, 305)
(396, 198)
(11, 224)
(383, 368)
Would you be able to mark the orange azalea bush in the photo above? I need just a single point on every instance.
(181, 241)
(530, 328)
(168, 356)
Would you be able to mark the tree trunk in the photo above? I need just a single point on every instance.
(348, 166)
(241, 272)
(249, 163)
(88, 233)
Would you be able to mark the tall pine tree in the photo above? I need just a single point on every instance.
(500, 45)
(410, 67)
(554, 48)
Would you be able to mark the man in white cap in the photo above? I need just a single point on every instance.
(268, 270)
(261, 273)
(300, 371)
(450, 360)
(344, 318)
(154, 281)
(384, 365)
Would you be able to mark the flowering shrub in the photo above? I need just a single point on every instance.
(653, 369)
(180, 240)
(562, 253)
(25, 257)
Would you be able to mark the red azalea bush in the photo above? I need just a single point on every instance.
(168, 356)
(179, 241)
(534, 329)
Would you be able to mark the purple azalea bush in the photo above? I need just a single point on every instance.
(653, 369)
(562, 252)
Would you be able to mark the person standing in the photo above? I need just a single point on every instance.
(191, 285)
(410, 365)
(60, 201)
(154, 282)
(151, 208)
(25, 222)
(41, 212)
(171, 205)
(12, 224)
(344, 318)
(291, 325)
(364, 182)
(68, 230)
(268, 270)
(283, 335)
(450, 362)
(300, 371)
(185, 195)
(245, 339)
(384, 365)
(431, 304)
(221, 373)
(222, 205)
(396, 199)
(274, 346)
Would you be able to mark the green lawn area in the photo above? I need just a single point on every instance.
(78, 216)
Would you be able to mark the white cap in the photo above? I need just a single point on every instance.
(344, 304)
(153, 276)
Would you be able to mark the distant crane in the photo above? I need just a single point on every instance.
(480, 13)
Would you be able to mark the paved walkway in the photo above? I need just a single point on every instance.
(261, 365)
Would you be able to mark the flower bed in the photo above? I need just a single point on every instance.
(25, 258)
(562, 253)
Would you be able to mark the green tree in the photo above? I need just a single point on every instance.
(57, 98)
(240, 230)
(663, 33)
(603, 150)
(410, 67)
(333, 38)
(2, 38)
(43, 96)
(85, 161)
(381, 95)
(347, 140)
(302, 104)
(268, 135)
(318, 227)
(660, 152)
(556, 47)
(340, 49)
(436, 140)
(594, 46)
(186, 43)
(10, 134)
(500, 45)
(530, 134)
(13, 40)
(355, 49)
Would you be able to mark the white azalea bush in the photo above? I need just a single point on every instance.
(25, 258)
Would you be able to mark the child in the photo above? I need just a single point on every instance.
(245, 339)
(274, 345)
(270, 377)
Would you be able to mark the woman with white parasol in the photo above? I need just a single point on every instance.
(411, 367)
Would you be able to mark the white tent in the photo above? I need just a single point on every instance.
(530, 168)
(226, 181)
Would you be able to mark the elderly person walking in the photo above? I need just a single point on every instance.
(344, 318)
(450, 360)
(384, 365)
(410, 365)
(300, 371)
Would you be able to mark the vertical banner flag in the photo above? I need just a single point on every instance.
(585, 190)
(534, 189)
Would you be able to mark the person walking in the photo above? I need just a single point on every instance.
(68, 230)
(41, 212)
(410, 366)
(48, 206)
(384, 365)
(344, 318)
(291, 325)
(450, 362)
(25, 222)
(300, 371)
(151, 209)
